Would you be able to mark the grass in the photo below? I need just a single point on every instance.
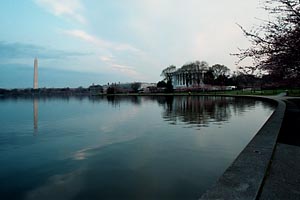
(291, 92)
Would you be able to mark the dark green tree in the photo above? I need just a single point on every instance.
(161, 84)
(167, 72)
(209, 77)
(110, 90)
(169, 87)
(220, 70)
(135, 86)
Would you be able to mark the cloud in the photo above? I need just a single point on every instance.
(69, 9)
(110, 60)
(125, 69)
(126, 47)
(106, 58)
(83, 35)
(24, 50)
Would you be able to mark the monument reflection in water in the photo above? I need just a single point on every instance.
(121, 147)
(35, 115)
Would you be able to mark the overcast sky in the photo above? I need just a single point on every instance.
(80, 42)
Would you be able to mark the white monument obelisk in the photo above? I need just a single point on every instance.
(35, 78)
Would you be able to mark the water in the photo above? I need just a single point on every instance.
(121, 147)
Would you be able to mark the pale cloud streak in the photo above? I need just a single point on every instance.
(81, 34)
(97, 41)
(106, 58)
(69, 9)
(110, 59)
(124, 69)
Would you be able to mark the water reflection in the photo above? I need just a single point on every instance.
(88, 149)
(59, 186)
(200, 111)
(117, 100)
(35, 115)
(194, 111)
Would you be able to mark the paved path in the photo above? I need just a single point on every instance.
(283, 177)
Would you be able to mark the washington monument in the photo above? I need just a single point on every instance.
(35, 77)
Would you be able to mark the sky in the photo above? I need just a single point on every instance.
(81, 42)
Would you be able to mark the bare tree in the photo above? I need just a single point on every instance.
(193, 71)
(167, 72)
(276, 43)
(220, 70)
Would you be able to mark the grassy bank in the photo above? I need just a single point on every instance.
(290, 92)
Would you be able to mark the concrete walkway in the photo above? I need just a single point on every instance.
(282, 180)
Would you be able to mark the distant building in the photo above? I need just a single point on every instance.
(147, 87)
(35, 76)
(188, 76)
(95, 89)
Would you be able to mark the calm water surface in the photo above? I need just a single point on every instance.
(121, 147)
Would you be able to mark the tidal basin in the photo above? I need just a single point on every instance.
(119, 147)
